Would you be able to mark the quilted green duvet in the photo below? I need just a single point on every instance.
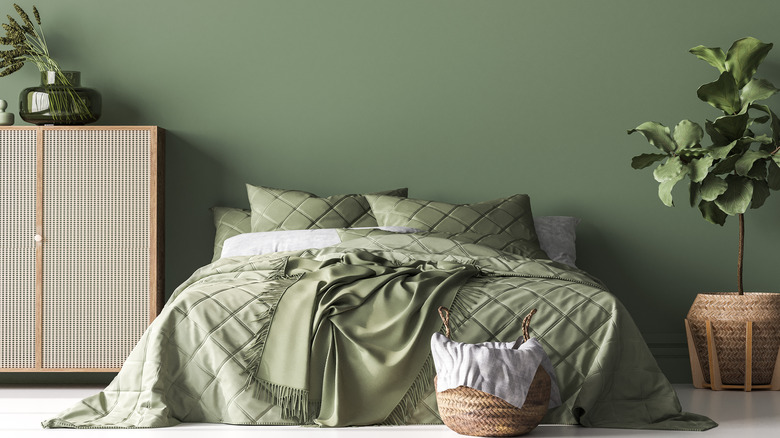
(340, 337)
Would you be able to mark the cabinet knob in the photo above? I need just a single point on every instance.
(38, 238)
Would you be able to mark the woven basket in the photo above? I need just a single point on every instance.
(728, 315)
(469, 411)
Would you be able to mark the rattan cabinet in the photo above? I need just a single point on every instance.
(81, 242)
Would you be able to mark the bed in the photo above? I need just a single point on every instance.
(319, 311)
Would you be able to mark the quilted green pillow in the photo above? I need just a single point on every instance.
(506, 224)
(277, 209)
(229, 222)
(419, 242)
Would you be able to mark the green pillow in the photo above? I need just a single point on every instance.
(229, 222)
(277, 209)
(505, 224)
(418, 242)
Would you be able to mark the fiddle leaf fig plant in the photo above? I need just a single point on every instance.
(741, 166)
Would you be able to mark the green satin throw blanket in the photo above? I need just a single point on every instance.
(341, 336)
(350, 329)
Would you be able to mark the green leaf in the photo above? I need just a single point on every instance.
(690, 154)
(665, 188)
(713, 55)
(687, 134)
(725, 166)
(717, 138)
(712, 187)
(645, 160)
(668, 174)
(737, 197)
(712, 213)
(757, 89)
(698, 169)
(763, 139)
(732, 127)
(669, 170)
(693, 192)
(723, 94)
(758, 171)
(657, 134)
(775, 125)
(762, 119)
(773, 179)
(722, 152)
(693, 153)
(745, 163)
(744, 57)
(760, 193)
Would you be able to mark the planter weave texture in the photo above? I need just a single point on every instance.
(470, 411)
(728, 314)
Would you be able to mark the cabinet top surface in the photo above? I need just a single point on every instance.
(81, 128)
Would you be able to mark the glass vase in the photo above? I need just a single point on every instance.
(60, 100)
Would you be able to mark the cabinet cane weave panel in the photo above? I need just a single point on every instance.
(17, 248)
(96, 246)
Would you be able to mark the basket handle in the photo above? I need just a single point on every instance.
(526, 324)
(444, 314)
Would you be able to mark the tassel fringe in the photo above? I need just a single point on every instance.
(420, 389)
(294, 402)
(466, 298)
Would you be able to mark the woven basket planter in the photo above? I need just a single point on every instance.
(734, 341)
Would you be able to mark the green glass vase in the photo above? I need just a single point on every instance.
(60, 100)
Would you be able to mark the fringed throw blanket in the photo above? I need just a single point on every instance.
(347, 345)
(340, 336)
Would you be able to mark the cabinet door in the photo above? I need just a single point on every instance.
(17, 248)
(96, 240)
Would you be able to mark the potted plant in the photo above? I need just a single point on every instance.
(59, 99)
(733, 338)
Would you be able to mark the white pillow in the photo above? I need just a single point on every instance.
(267, 242)
(557, 236)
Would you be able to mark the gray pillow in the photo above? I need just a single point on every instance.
(557, 235)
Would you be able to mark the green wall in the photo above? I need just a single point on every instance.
(460, 101)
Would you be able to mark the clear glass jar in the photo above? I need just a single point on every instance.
(60, 100)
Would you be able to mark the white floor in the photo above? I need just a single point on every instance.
(740, 414)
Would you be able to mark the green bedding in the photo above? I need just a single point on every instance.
(340, 336)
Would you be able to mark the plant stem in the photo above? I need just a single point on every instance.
(741, 253)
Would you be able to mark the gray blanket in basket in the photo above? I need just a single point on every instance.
(492, 367)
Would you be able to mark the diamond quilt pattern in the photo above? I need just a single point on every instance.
(277, 209)
(190, 365)
(417, 242)
(506, 224)
(229, 222)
